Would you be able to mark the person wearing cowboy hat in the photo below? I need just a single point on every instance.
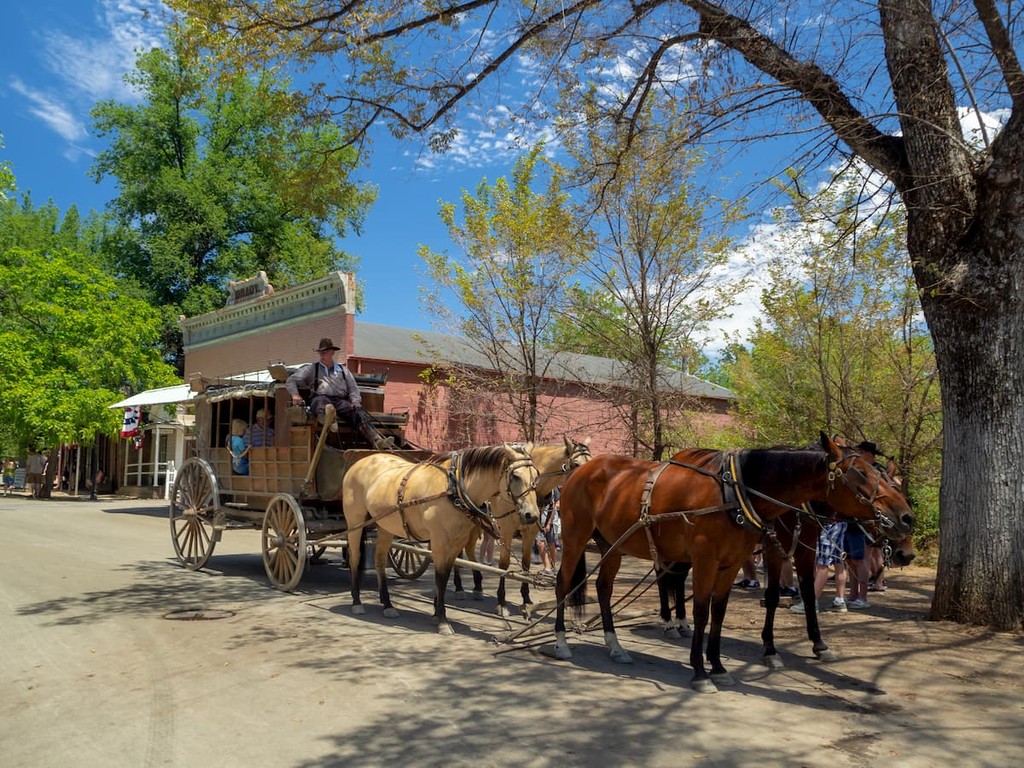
(333, 384)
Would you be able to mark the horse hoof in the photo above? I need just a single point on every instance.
(685, 630)
(391, 613)
(478, 595)
(460, 595)
(722, 678)
(826, 655)
(703, 686)
(504, 612)
(562, 652)
(774, 662)
(672, 633)
(621, 657)
(358, 610)
(444, 628)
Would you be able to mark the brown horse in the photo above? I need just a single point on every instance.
(707, 518)
(554, 463)
(437, 500)
(793, 535)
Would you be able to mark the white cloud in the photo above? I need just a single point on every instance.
(51, 111)
(93, 66)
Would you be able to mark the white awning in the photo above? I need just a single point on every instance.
(180, 393)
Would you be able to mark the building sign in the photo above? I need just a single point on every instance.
(248, 290)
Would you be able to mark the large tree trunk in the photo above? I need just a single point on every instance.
(979, 342)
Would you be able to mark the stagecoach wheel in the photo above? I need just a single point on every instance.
(408, 565)
(194, 502)
(284, 542)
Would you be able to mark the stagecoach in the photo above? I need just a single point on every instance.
(292, 491)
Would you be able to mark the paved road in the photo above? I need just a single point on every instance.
(94, 673)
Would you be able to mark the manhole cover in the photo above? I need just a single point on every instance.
(198, 614)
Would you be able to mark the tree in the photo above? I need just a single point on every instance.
(890, 87)
(507, 286)
(71, 342)
(652, 285)
(219, 181)
(7, 181)
(842, 346)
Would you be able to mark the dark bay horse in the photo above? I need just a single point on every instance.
(437, 500)
(792, 535)
(713, 506)
(554, 463)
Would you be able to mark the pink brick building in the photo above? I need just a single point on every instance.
(247, 335)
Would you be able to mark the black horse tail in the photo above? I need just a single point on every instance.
(578, 587)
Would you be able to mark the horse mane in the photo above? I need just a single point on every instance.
(478, 459)
(782, 463)
(705, 458)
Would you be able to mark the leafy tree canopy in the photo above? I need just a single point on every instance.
(71, 341)
(217, 180)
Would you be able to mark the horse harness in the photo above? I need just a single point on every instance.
(736, 499)
(456, 493)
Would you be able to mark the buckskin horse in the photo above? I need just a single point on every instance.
(437, 500)
(554, 463)
(707, 518)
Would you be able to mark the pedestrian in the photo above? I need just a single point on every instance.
(829, 555)
(10, 466)
(486, 551)
(35, 467)
(547, 546)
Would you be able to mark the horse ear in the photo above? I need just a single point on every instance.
(829, 446)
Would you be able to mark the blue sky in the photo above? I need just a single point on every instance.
(62, 56)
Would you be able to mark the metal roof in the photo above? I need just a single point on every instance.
(179, 393)
(401, 345)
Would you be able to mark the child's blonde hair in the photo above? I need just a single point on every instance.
(238, 427)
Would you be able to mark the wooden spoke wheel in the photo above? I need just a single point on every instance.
(408, 565)
(284, 542)
(194, 502)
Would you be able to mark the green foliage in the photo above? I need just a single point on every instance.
(7, 181)
(842, 348)
(507, 283)
(71, 342)
(651, 287)
(219, 180)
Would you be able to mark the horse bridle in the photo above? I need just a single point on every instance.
(836, 470)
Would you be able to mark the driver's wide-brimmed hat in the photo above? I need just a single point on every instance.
(326, 344)
(866, 446)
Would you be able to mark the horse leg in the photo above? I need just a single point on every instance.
(803, 564)
(529, 534)
(503, 562)
(682, 625)
(384, 540)
(570, 587)
(773, 573)
(355, 569)
(672, 586)
(703, 585)
(719, 605)
(442, 571)
(605, 585)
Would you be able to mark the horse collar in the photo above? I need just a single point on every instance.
(732, 484)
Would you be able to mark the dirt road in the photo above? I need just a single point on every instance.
(95, 671)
